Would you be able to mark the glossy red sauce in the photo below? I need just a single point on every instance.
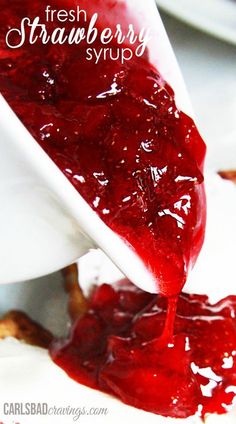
(117, 347)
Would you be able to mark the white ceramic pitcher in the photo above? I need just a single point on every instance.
(44, 223)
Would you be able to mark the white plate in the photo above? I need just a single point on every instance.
(217, 17)
(28, 375)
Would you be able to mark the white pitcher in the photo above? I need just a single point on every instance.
(44, 223)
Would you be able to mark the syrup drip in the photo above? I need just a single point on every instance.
(168, 331)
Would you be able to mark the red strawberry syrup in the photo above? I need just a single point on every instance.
(116, 133)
